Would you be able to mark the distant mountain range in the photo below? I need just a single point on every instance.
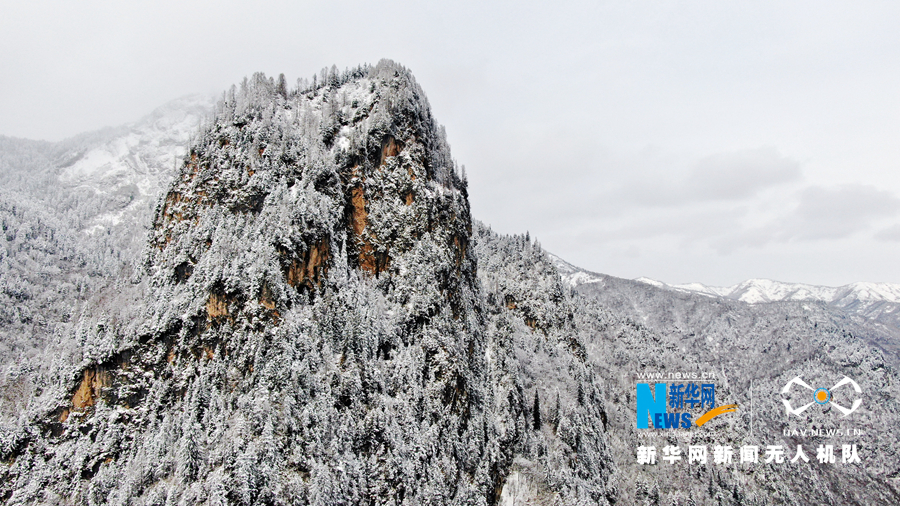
(873, 299)
(755, 291)
(875, 304)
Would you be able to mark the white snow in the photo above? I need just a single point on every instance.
(573, 276)
(753, 291)
(134, 163)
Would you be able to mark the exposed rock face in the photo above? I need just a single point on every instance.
(312, 330)
(88, 391)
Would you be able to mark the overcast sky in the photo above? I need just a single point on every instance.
(686, 141)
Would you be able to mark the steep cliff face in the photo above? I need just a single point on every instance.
(310, 329)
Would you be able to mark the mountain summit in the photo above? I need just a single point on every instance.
(309, 328)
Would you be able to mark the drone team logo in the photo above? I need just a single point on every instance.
(821, 396)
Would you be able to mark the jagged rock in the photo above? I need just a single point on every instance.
(310, 329)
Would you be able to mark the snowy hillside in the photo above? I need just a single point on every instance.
(136, 163)
(283, 299)
(571, 275)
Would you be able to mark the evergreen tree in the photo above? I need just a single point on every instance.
(281, 87)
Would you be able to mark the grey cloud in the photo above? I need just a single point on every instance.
(822, 213)
(755, 237)
(688, 226)
(830, 213)
(729, 176)
(889, 234)
(740, 174)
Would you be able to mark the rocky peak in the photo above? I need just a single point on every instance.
(352, 170)
(310, 310)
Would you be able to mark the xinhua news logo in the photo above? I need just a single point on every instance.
(821, 396)
(674, 406)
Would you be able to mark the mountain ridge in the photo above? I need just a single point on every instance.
(758, 290)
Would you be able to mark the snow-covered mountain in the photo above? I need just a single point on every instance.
(879, 302)
(754, 291)
(317, 319)
(134, 163)
(308, 327)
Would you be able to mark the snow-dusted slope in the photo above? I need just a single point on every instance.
(571, 275)
(132, 166)
(108, 180)
(146, 148)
